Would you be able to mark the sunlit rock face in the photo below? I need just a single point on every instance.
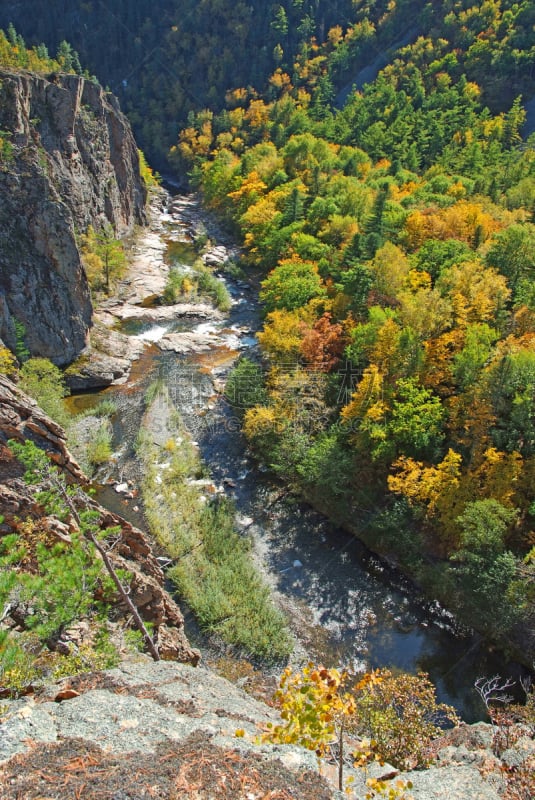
(73, 162)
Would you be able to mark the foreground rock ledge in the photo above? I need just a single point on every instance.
(168, 730)
(149, 730)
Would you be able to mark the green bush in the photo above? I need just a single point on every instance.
(194, 283)
(43, 381)
(221, 585)
(106, 408)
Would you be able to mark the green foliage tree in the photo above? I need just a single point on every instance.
(513, 253)
(436, 255)
(477, 350)
(417, 420)
(291, 285)
(21, 348)
(484, 568)
(401, 715)
(68, 58)
(511, 383)
(245, 385)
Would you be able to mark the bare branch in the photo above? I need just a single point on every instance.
(492, 690)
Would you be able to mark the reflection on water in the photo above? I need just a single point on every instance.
(180, 253)
(350, 608)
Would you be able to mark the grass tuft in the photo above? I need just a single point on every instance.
(214, 572)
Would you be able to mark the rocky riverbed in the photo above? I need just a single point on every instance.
(345, 606)
(110, 354)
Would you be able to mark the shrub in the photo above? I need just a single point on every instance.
(400, 713)
(43, 381)
(53, 584)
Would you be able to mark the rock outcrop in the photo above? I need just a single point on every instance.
(167, 730)
(73, 162)
(150, 730)
(21, 419)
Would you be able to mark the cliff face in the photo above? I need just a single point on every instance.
(71, 161)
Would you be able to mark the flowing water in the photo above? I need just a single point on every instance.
(346, 606)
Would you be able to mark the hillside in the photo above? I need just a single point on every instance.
(166, 59)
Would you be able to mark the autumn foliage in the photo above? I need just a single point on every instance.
(396, 240)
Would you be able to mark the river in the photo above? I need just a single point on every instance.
(346, 606)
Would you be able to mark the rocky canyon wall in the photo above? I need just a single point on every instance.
(69, 160)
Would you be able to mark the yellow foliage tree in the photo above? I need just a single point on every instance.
(477, 293)
(7, 361)
(439, 353)
(466, 221)
(257, 115)
(385, 351)
(424, 310)
(263, 425)
(252, 187)
(282, 335)
(391, 268)
(367, 400)
(438, 490)
(497, 476)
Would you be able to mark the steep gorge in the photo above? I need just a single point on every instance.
(69, 160)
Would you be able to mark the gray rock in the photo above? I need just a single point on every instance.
(106, 361)
(31, 722)
(521, 751)
(75, 162)
(188, 342)
(148, 704)
(454, 783)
